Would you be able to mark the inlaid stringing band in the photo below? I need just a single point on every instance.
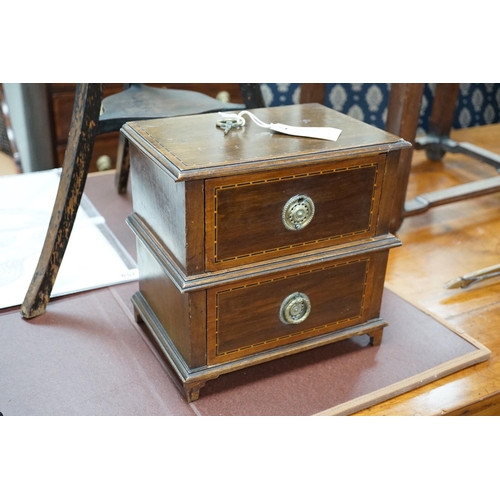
(302, 332)
(289, 177)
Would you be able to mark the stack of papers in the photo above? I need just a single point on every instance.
(94, 258)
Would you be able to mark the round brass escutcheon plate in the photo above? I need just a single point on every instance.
(295, 308)
(298, 212)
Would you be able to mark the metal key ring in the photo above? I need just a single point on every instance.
(234, 122)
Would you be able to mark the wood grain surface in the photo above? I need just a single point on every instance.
(440, 245)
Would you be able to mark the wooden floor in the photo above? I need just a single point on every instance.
(438, 246)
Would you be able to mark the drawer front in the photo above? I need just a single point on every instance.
(259, 217)
(254, 316)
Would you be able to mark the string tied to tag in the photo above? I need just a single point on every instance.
(237, 120)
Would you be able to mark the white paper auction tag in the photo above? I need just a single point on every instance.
(233, 120)
(328, 133)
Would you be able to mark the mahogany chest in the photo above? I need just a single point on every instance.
(253, 245)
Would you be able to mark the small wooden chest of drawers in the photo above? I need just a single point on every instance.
(255, 245)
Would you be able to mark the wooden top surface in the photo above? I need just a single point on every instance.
(193, 146)
(442, 244)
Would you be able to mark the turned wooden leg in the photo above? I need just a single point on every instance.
(74, 174)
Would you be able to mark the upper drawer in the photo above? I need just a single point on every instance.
(259, 217)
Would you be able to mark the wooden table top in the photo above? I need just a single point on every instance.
(442, 244)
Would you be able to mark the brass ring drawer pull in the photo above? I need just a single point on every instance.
(295, 308)
(298, 212)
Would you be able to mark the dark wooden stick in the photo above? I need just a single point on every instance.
(74, 174)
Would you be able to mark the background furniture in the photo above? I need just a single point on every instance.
(92, 116)
(29, 116)
(477, 104)
(143, 102)
(440, 245)
(402, 119)
(61, 97)
(10, 162)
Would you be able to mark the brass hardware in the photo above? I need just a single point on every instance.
(103, 163)
(295, 308)
(298, 212)
(223, 96)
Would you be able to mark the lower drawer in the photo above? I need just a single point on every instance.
(230, 323)
(256, 315)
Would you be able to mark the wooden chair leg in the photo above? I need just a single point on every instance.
(402, 120)
(252, 95)
(437, 142)
(441, 119)
(312, 92)
(74, 174)
(122, 165)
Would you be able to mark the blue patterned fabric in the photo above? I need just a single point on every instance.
(478, 103)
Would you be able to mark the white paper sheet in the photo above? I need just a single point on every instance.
(94, 257)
